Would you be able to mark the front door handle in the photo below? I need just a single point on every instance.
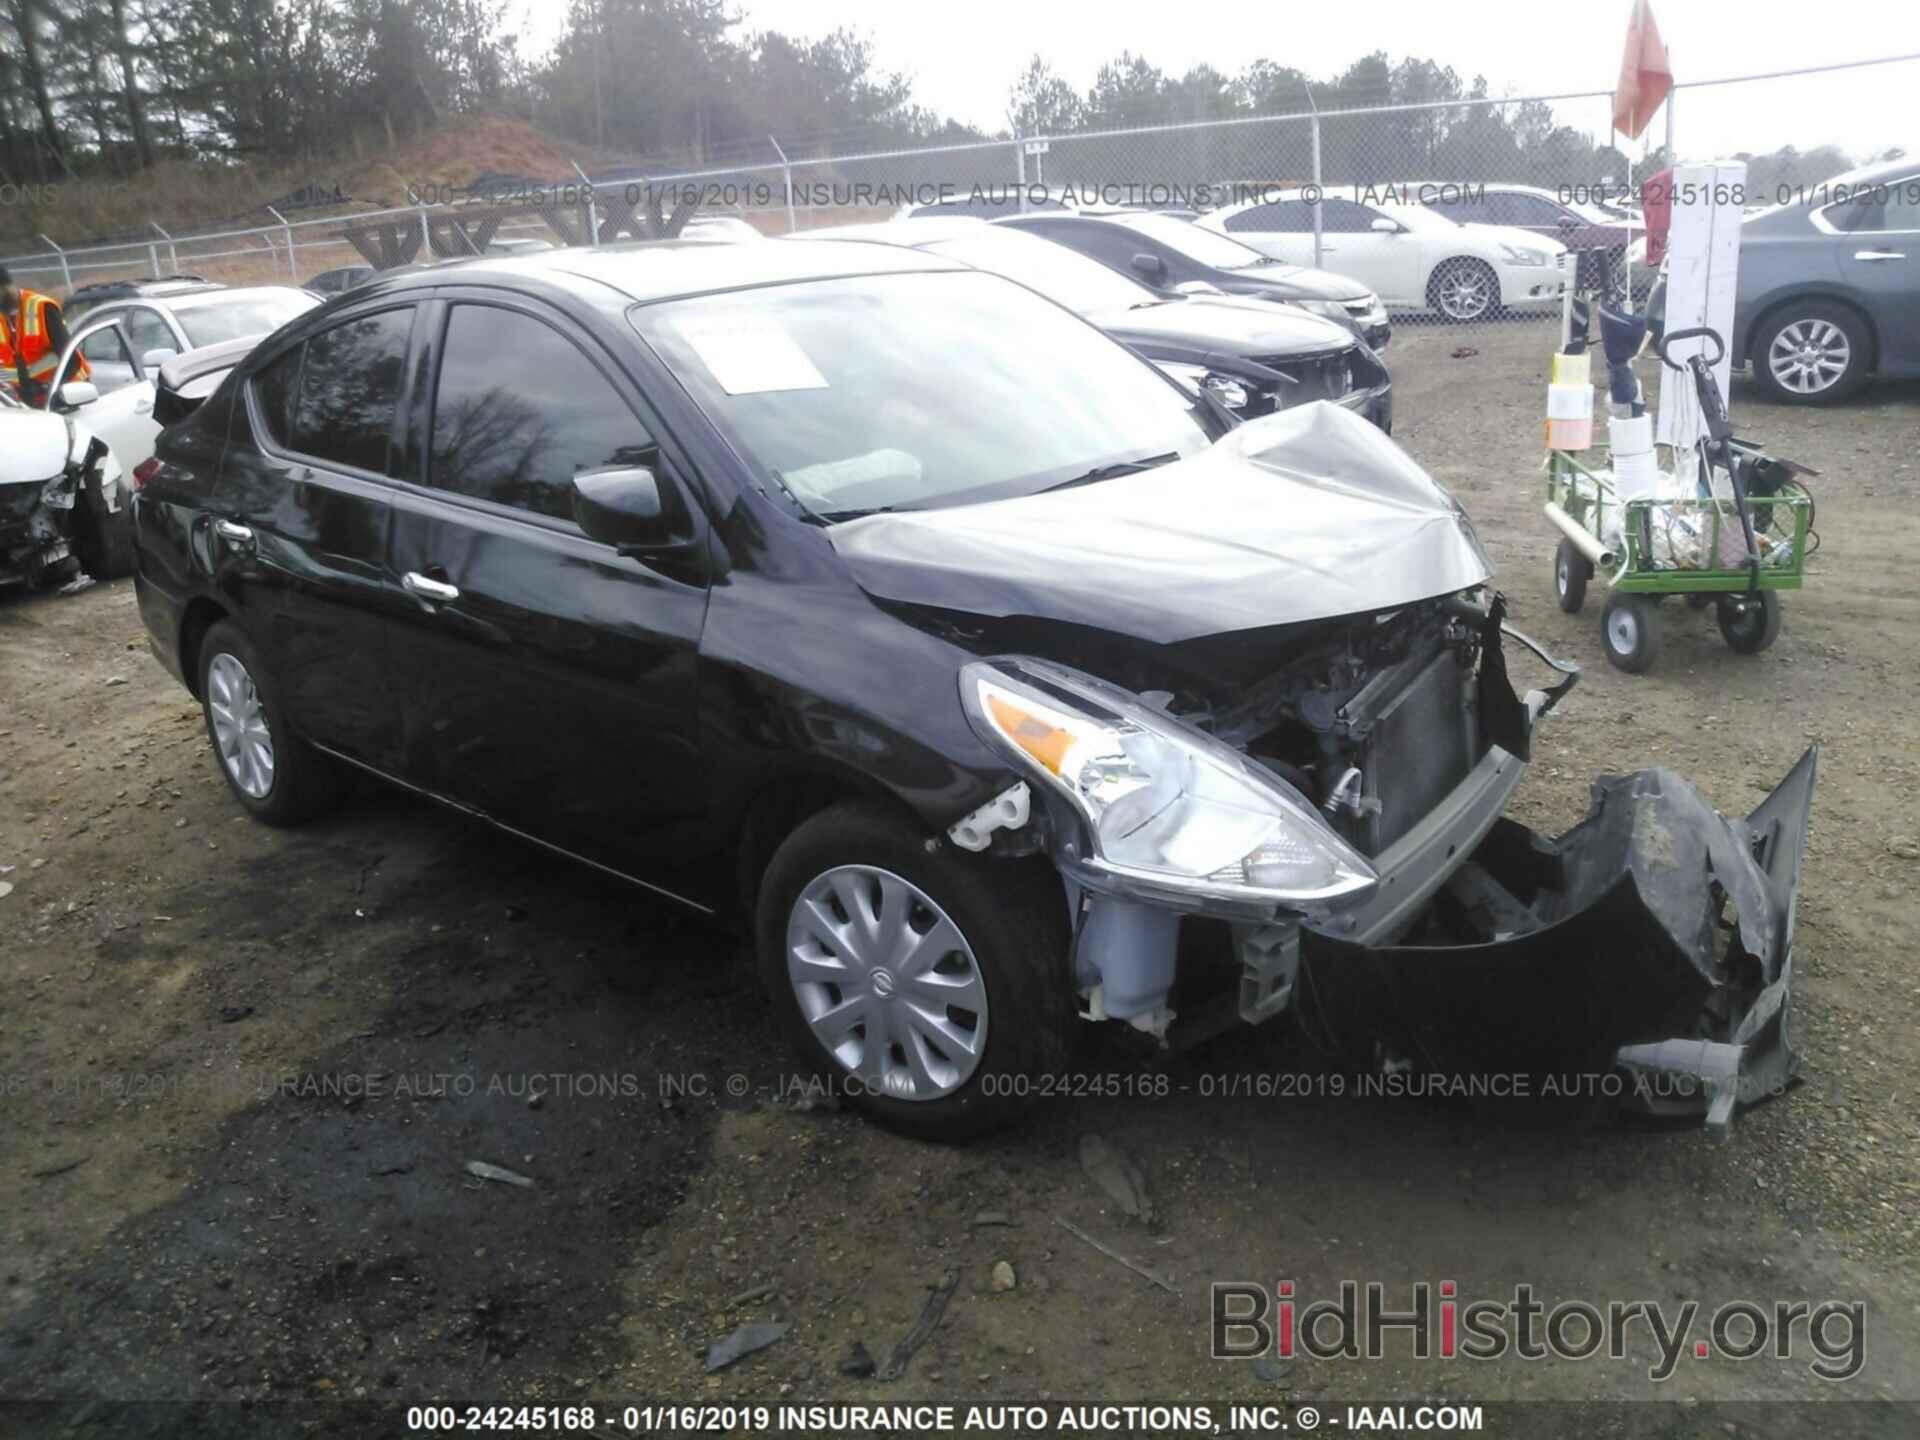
(1879, 254)
(414, 583)
(233, 534)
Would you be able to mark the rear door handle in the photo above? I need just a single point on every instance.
(1879, 254)
(233, 534)
(414, 583)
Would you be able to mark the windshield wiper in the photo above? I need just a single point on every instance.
(1108, 472)
(834, 517)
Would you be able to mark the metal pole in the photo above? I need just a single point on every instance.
(65, 273)
(592, 212)
(1317, 214)
(426, 239)
(287, 231)
(173, 253)
(786, 176)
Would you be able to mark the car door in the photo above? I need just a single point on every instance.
(298, 530)
(1282, 229)
(122, 415)
(1879, 257)
(1387, 261)
(552, 679)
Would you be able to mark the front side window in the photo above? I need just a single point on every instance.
(349, 389)
(109, 360)
(1287, 217)
(916, 391)
(1203, 246)
(147, 330)
(520, 411)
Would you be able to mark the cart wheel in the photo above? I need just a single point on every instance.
(1750, 623)
(1571, 571)
(1630, 629)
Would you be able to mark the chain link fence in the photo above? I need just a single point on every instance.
(1394, 197)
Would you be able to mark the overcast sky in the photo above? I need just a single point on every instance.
(963, 57)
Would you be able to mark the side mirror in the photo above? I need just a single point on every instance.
(629, 508)
(76, 393)
(1151, 266)
(1383, 226)
(157, 357)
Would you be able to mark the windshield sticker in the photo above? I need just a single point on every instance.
(750, 357)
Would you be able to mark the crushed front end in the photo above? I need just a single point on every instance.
(1394, 906)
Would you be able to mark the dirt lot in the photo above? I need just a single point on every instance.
(242, 1070)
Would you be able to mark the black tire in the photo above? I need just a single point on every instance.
(103, 538)
(1571, 571)
(1818, 319)
(1630, 632)
(1451, 276)
(303, 780)
(1749, 624)
(1012, 915)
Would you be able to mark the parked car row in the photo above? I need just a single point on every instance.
(990, 673)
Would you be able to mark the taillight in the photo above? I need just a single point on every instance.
(146, 470)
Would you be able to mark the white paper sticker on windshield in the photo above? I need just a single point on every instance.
(749, 356)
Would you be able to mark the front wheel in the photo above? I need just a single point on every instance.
(1749, 623)
(930, 986)
(1571, 571)
(1630, 630)
(1464, 289)
(1811, 352)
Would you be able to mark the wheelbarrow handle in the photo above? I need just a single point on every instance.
(1698, 332)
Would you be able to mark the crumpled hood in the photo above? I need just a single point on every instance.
(1226, 325)
(33, 446)
(1307, 514)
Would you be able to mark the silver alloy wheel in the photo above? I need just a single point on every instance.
(1809, 356)
(240, 726)
(887, 983)
(1464, 291)
(1623, 629)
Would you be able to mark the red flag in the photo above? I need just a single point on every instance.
(1644, 76)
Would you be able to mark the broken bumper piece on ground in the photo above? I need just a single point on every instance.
(1650, 945)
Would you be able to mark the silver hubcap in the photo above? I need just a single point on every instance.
(887, 982)
(1623, 629)
(1809, 356)
(240, 726)
(1561, 573)
(1463, 292)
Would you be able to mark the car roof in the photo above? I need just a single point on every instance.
(650, 270)
(225, 292)
(910, 230)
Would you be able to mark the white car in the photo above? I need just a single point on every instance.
(1412, 258)
(63, 500)
(158, 327)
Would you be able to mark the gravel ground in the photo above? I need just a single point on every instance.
(242, 1071)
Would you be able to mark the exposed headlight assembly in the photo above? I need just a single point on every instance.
(1168, 811)
(1517, 256)
(1229, 391)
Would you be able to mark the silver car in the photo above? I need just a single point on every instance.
(1829, 288)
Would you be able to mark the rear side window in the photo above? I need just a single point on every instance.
(520, 411)
(273, 391)
(349, 388)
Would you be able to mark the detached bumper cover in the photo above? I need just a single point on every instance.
(1647, 951)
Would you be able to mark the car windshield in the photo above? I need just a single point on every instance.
(228, 317)
(1207, 247)
(917, 391)
(1060, 274)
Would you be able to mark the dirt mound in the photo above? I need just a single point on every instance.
(453, 156)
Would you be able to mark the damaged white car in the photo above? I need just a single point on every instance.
(63, 501)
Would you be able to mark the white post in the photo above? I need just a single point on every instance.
(173, 253)
(1703, 262)
(1020, 167)
(786, 177)
(286, 232)
(65, 272)
(1317, 238)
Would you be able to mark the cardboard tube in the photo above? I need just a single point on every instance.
(1601, 557)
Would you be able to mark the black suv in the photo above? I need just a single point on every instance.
(998, 679)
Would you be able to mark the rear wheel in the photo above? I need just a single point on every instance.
(271, 773)
(927, 985)
(1464, 289)
(1571, 571)
(1749, 623)
(1630, 630)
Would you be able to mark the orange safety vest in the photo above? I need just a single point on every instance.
(26, 328)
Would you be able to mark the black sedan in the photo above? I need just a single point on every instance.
(880, 600)
(1169, 253)
(1252, 355)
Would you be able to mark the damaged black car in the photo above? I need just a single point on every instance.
(998, 683)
